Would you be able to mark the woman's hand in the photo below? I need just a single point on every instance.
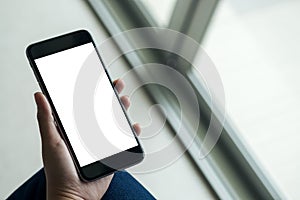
(61, 175)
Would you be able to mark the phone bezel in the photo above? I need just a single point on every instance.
(97, 169)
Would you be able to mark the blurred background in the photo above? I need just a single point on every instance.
(254, 46)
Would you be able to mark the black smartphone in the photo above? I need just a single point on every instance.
(56, 63)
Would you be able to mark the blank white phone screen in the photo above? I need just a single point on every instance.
(59, 72)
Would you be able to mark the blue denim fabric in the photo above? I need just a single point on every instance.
(122, 187)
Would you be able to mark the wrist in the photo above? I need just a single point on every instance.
(63, 198)
(63, 195)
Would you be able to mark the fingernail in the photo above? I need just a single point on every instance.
(36, 98)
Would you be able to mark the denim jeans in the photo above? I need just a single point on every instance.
(123, 186)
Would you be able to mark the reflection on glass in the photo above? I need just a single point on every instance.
(160, 10)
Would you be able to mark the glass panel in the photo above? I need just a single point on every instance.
(161, 11)
(245, 179)
(256, 45)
